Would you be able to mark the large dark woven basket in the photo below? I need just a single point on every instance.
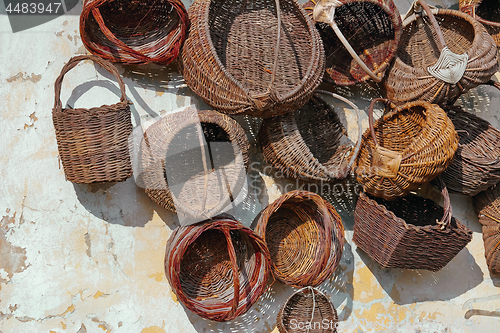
(476, 164)
(310, 143)
(360, 40)
(305, 237)
(487, 12)
(410, 232)
(217, 268)
(307, 307)
(246, 57)
(425, 39)
(134, 31)
(194, 162)
(93, 143)
(410, 145)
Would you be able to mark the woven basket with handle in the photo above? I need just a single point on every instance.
(487, 12)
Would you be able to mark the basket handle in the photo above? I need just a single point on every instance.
(370, 116)
(441, 44)
(73, 62)
(446, 220)
(277, 51)
(234, 266)
(471, 8)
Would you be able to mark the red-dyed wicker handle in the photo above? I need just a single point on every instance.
(73, 62)
(370, 117)
(234, 266)
(441, 42)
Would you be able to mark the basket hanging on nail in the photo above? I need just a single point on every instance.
(410, 145)
(486, 12)
(476, 164)
(93, 143)
(217, 268)
(194, 162)
(411, 232)
(310, 143)
(247, 57)
(312, 309)
(305, 237)
(360, 37)
(441, 55)
(134, 31)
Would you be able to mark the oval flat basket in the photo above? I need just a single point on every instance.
(486, 12)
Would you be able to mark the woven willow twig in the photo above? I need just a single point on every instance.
(487, 12)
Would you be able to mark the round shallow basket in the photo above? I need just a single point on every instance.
(360, 37)
(310, 309)
(93, 143)
(310, 143)
(441, 55)
(194, 162)
(410, 145)
(217, 268)
(411, 232)
(246, 57)
(476, 164)
(305, 237)
(134, 31)
(487, 12)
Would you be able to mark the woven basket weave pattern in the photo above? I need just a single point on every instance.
(487, 206)
(487, 12)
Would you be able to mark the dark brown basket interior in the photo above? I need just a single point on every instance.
(489, 10)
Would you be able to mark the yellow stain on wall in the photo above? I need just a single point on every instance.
(70, 308)
(153, 329)
(379, 318)
(174, 297)
(63, 325)
(157, 276)
(366, 287)
(99, 294)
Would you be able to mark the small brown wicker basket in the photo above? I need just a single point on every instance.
(410, 232)
(261, 58)
(360, 41)
(217, 268)
(440, 56)
(305, 237)
(134, 31)
(93, 143)
(487, 12)
(309, 308)
(310, 143)
(410, 145)
(194, 162)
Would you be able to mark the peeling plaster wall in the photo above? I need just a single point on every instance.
(78, 258)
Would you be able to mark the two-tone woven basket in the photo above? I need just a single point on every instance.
(487, 12)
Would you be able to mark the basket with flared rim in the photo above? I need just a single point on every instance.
(486, 12)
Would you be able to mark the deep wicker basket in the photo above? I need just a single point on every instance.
(476, 164)
(411, 232)
(425, 68)
(134, 31)
(93, 143)
(305, 237)
(217, 268)
(311, 143)
(194, 162)
(246, 57)
(360, 41)
(410, 145)
(307, 310)
(487, 12)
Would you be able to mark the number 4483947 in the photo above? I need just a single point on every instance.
(34, 8)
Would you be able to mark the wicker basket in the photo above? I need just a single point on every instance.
(411, 232)
(425, 67)
(93, 143)
(194, 162)
(476, 164)
(134, 31)
(310, 144)
(217, 268)
(246, 57)
(487, 12)
(410, 145)
(372, 29)
(311, 309)
(305, 237)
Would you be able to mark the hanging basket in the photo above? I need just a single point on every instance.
(310, 143)
(249, 58)
(194, 162)
(476, 164)
(487, 12)
(305, 237)
(217, 268)
(93, 143)
(134, 31)
(360, 37)
(311, 309)
(440, 56)
(410, 145)
(411, 232)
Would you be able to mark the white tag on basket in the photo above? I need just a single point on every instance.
(450, 66)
